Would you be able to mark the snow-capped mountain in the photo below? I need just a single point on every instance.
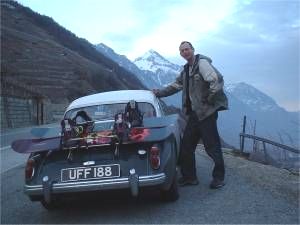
(146, 77)
(153, 61)
(252, 97)
(165, 71)
(272, 121)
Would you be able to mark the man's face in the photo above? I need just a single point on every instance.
(186, 51)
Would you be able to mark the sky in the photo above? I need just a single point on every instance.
(252, 41)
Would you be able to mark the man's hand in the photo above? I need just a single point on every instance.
(155, 91)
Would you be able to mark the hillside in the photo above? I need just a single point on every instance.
(42, 57)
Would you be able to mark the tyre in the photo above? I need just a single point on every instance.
(54, 204)
(172, 194)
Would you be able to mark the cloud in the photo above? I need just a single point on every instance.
(92, 19)
(132, 27)
(183, 20)
(147, 14)
(262, 22)
(259, 44)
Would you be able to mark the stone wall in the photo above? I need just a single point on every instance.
(22, 112)
(53, 112)
(17, 112)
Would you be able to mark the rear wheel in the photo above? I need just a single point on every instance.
(172, 193)
(54, 204)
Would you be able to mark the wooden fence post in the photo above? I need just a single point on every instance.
(265, 151)
(254, 141)
(243, 138)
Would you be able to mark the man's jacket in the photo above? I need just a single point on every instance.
(205, 88)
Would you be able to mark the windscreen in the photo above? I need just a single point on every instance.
(108, 111)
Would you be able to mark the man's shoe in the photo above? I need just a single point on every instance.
(216, 183)
(187, 181)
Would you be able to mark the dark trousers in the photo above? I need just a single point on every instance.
(207, 130)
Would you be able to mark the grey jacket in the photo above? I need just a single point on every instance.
(205, 88)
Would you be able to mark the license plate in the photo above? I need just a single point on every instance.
(91, 172)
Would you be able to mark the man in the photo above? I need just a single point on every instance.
(202, 98)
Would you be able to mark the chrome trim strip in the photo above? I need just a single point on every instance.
(117, 183)
(89, 163)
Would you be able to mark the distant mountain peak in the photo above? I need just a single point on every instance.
(102, 44)
(154, 62)
(251, 96)
(123, 61)
(152, 56)
(104, 47)
(154, 53)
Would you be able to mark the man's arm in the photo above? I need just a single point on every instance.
(170, 89)
(210, 75)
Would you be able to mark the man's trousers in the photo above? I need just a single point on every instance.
(208, 132)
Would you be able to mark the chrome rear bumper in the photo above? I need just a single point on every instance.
(94, 185)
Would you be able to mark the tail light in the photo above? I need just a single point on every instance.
(29, 169)
(155, 157)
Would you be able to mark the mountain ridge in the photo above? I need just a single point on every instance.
(35, 47)
(258, 100)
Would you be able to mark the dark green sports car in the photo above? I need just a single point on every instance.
(110, 140)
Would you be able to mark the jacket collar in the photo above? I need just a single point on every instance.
(195, 64)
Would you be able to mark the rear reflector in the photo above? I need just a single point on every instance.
(154, 157)
(29, 169)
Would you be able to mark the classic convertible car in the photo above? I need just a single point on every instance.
(111, 140)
